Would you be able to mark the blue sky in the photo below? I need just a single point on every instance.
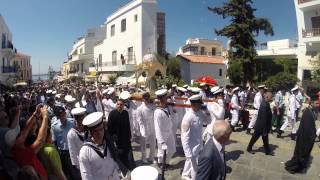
(46, 29)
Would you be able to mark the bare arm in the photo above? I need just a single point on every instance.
(42, 135)
(24, 133)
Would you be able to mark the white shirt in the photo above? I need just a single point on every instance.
(145, 119)
(74, 144)
(279, 99)
(93, 167)
(257, 100)
(163, 124)
(292, 106)
(109, 105)
(191, 131)
(235, 103)
(219, 147)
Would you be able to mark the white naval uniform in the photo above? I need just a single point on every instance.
(256, 104)
(146, 127)
(235, 110)
(164, 134)
(180, 112)
(191, 132)
(93, 167)
(291, 114)
(109, 105)
(74, 144)
(216, 111)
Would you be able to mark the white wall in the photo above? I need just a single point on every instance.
(140, 35)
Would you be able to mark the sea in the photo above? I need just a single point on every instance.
(41, 77)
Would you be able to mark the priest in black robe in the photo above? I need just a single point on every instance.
(119, 129)
(263, 125)
(306, 136)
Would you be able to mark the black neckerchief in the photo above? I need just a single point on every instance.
(90, 144)
(166, 110)
(80, 136)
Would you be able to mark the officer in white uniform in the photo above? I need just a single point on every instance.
(216, 110)
(146, 127)
(70, 101)
(191, 132)
(108, 104)
(256, 104)
(96, 156)
(235, 107)
(291, 114)
(179, 110)
(75, 139)
(163, 127)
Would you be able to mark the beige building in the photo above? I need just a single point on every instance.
(24, 68)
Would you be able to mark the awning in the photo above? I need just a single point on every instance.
(21, 84)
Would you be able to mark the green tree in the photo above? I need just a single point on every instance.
(244, 27)
(282, 80)
(288, 65)
(316, 72)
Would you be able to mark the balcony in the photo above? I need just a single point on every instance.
(8, 48)
(9, 69)
(202, 53)
(308, 5)
(311, 35)
(81, 57)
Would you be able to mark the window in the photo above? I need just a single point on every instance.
(81, 51)
(220, 72)
(306, 75)
(114, 58)
(123, 25)
(81, 67)
(213, 51)
(202, 49)
(130, 54)
(100, 60)
(135, 17)
(112, 30)
(3, 40)
(78, 67)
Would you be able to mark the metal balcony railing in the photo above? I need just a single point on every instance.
(9, 69)
(314, 32)
(304, 1)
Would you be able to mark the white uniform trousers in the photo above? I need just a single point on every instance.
(289, 121)
(171, 149)
(235, 117)
(318, 132)
(253, 119)
(190, 167)
(151, 140)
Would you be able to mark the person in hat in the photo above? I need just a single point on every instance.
(235, 107)
(109, 101)
(89, 103)
(291, 114)
(119, 129)
(75, 139)
(60, 129)
(179, 111)
(216, 110)
(146, 127)
(227, 100)
(69, 105)
(191, 133)
(263, 125)
(163, 127)
(279, 109)
(98, 157)
(256, 104)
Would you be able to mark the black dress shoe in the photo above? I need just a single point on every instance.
(269, 153)
(248, 131)
(293, 137)
(250, 151)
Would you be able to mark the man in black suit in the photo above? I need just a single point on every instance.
(263, 125)
(211, 164)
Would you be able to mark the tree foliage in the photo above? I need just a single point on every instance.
(282, 80)
(316, 71)
(244, 27)
(289, 65)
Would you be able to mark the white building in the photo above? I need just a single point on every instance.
(197, 46)
(308, 21)
(203, 57)
(283, 48)
(132, 32)
(81, 56)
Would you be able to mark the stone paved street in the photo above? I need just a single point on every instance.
(246, 166)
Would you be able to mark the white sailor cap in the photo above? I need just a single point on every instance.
(214, 89)
(111, 91)
(262, 86)
(105, 91)
(174, 85)
(49, 91)
(181, 89)
(195, 98)
(124, 95)
(294, 89)
(185, 86)
(202, 84)
(221, 90)
(77, 105)
(58, 95)
(195, 90)
(92, 119)
(161, 92)
(235, 89)
(69, 98)
(54, 92)
(78, 111)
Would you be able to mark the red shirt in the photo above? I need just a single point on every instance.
(27, 157)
